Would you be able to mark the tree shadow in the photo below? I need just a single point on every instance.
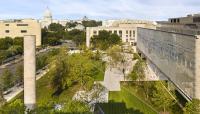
(115, 108)
(57, 92)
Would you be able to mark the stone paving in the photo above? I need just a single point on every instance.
(113, 76)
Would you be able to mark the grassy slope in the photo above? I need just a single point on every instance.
(126, 102)
(44, 91)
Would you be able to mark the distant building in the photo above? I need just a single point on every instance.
(85, 18)
(19, 28)
(48, 19)
(78, 27)
(126, 29)
(188, 25)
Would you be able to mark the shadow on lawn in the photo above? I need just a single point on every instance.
(116, 108)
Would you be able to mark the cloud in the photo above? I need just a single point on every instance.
(100, 9)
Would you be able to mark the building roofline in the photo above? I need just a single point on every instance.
(168, 31)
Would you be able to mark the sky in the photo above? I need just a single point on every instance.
(99, 9)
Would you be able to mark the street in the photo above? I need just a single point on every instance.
(14, 91)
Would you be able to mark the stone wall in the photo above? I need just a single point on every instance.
(175, 55)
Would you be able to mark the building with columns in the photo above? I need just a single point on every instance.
(48, 19)
(126, 29)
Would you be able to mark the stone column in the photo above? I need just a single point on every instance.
(87, 37)
(29, 71)
(197, 68)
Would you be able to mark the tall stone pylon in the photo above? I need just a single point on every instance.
(29, 72)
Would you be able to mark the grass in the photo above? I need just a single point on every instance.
(138, 90)
(125, 102)
(44, 92)
(99, 77)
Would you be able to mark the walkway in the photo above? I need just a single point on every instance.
(113, 76)
(18, 89)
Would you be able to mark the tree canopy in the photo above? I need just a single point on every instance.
(192, 107)
(91, 23)
(104, 40)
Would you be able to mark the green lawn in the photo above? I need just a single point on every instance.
(125, 102)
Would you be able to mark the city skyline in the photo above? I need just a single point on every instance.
(101, 9)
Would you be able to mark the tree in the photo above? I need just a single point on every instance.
(138, 72)
(55, 27)
(192, 107)
(114, 39)
(5, 43)
(104, 40)
(71, 25)
(41, 61)
(161, 98)
(16, 107)
(19, 74)
(60, 73)
(83, 70)
(115, 54)
(15, 49)
(6, 79)
(77, 36)
(73, 107)
(52, 41)
(18, 41)
(91, 23)
(2, 100)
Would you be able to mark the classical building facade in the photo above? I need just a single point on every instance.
(126, 29)
(48, 19)
(174, 55)
(20, 28)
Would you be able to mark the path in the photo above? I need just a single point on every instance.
(113, 76)
(18, 89)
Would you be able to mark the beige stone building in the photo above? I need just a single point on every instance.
(19, 28)
(126, 29)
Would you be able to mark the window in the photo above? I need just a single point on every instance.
(7, 31)
(115, 32)
(126, 40)
(132, 43)
(120, 33)
(95, 32)
(22, 24)
(127, 32)
(23, 31)
(133, 33)
(7, 24)
(130, 33)
(196, 19)
(178, 20)
(174, 20)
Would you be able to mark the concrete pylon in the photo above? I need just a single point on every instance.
(29, 72)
